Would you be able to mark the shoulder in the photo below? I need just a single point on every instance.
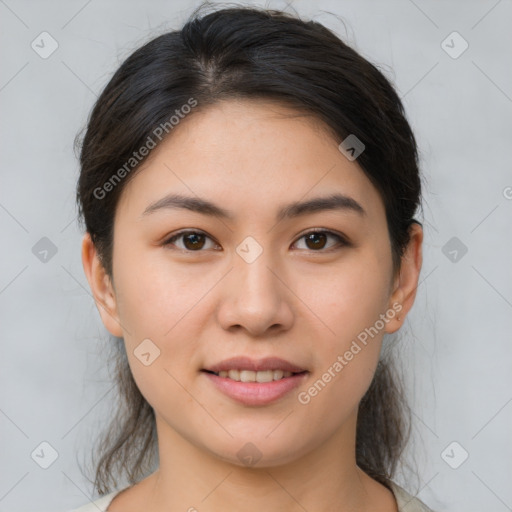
(100, 505)
(407, 502)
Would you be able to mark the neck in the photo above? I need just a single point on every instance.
(192, 479)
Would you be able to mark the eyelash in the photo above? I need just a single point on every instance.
(342, 241)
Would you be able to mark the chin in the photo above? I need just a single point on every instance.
(258, 451)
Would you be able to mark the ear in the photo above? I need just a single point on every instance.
(101, 287)
(406, 280)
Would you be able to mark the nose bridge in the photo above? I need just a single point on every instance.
(253, 272)
(255, 298)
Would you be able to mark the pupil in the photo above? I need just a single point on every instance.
(194, 237)
(311, 238)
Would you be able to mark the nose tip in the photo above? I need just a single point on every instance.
(254, 297)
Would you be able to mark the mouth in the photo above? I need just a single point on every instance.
(255, 376)
(255, 387)
(254, 382)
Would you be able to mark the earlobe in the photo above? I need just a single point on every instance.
(406, 282)
(101, 287)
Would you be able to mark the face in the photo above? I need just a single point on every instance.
(192, 289)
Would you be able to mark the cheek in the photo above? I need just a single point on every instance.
(155, 308)
(156, 298)
(347, 298)
(162, 314)
(346, 360)
(348, 302)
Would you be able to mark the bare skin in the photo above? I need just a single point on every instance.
(302, 302)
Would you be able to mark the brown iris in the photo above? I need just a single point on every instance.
(193, 240)
(317, 239)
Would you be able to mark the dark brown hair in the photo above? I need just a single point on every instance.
(247, 52)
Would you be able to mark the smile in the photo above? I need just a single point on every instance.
(252, 376)
(245, 389)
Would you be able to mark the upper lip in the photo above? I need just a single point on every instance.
(256, 365)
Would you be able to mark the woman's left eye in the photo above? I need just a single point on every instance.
(317, 239)
(194, 241)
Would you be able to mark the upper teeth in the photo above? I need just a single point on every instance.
(251, 376)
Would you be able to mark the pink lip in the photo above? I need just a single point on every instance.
(256, 365)
(256, 393)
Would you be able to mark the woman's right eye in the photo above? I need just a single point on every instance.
(193, 241)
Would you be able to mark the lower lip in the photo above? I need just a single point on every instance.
(256, 393)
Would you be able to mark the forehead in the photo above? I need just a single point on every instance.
(251, 155)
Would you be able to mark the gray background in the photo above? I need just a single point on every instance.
(456, 344)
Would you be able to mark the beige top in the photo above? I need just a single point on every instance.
(406, 502)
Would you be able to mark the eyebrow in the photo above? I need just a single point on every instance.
(295, 209)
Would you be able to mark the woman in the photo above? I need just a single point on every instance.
(248, 186)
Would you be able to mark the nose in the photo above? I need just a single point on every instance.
(256, 298)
